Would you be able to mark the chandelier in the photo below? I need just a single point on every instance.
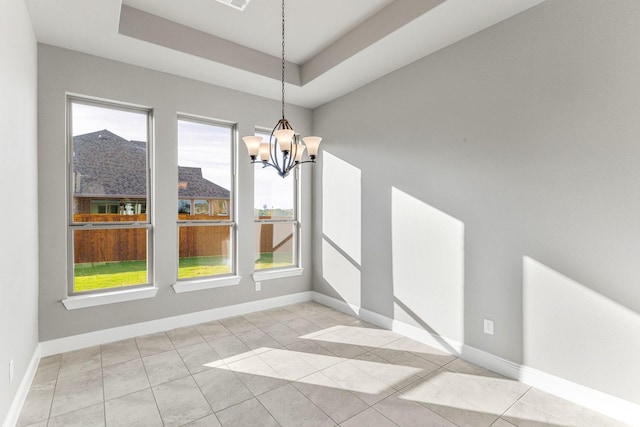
(284, 151)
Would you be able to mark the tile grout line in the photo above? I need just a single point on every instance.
(265, 408)
(55, 387)
(194, 380)
(104, 394)
(515, 401)
(148, 379)
(54, 392)
(204, 396)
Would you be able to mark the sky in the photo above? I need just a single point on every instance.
(126, 124)
(206, 146)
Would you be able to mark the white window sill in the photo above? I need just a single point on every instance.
(92, 300)
(210, 283)
(259, 276)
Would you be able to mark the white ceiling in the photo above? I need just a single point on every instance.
(332, 46)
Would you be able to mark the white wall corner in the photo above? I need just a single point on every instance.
(336, 304)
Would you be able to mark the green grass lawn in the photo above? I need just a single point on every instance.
(273, 260)
(202, 266)
(94, 276)
(91, 276)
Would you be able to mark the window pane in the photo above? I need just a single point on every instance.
(273, 195)
(205, 250)
(275, 245)
(204, 170)
(110, 173)
(184, 207)
(109, 258)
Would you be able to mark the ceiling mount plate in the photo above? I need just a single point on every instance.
(236, 4)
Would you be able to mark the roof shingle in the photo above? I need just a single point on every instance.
(106, 165)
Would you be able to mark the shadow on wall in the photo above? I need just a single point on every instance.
(578, 334)
(341, 228)
(569, 330)
(427, 253)
(428, 266)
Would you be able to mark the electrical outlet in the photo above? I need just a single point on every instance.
(11, 371)
(488, 326)
(258, 286)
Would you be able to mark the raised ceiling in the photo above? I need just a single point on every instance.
(258, 27)
(332, 46)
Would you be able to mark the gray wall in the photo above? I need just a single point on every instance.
(498, 178)
(62, 71)
(18, 218)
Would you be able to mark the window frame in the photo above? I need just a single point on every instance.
(88, 298)
(296, 267)
(215, 280)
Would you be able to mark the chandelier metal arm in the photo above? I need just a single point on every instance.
(282, 172)
(306, 161)
(273, 154)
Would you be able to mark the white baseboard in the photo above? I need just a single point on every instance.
(105, 336)
(604, 403)
(23, 390)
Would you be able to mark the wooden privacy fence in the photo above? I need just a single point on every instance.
(274, 237)
(130, 244)
(85, 218)
(108, 245)
(197, 241)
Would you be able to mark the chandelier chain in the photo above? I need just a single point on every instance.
(283, 59)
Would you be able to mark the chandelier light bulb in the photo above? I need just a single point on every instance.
(284, 137)
(312, 143)
(299, 152)
(253, 145)
(265, 150)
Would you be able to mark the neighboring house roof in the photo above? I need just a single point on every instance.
(106, 165)
(198, 187)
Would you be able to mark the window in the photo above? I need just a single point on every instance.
(275, 217)
(109, 222)
(117, 207)
(205, 195)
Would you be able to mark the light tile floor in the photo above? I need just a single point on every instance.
(300, 365)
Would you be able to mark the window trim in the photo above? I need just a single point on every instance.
(86, 300)
(276, 273)
(217, 280)
(121, 293)
(208, 282)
